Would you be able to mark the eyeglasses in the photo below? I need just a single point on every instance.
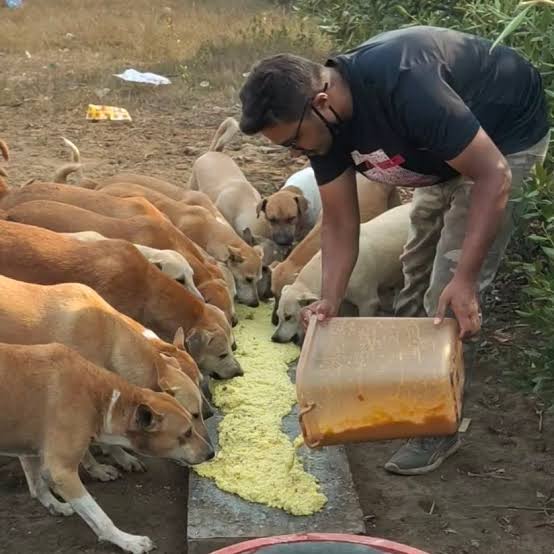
(292, 142)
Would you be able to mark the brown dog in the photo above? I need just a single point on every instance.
(123, 277)
(89, 200)
(54, 401)
(140, 230)
(67, 313)
(211, 233)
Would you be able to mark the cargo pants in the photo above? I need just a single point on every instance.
(437, 229)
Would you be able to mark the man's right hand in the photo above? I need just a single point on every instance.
(322, 309)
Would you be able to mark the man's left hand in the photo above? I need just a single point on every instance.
(460, 294)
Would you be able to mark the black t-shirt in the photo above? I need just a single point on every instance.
(419, 96)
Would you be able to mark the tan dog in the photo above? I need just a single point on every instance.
(54, 401)
(138, 230)
(213, 234)
(373, 199)
(293, 210)
(218, 176)
(121, 275)
(378, 267)
(173, 264)
(66, 313)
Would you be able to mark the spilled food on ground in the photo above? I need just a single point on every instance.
(257, 460)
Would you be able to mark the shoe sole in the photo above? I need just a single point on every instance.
(427, 469)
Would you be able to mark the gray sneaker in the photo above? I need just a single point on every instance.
(423, 455)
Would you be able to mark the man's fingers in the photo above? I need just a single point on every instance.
(441, 309)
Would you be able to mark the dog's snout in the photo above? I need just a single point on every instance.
(277, 338)
(211, 454)
(234, 320)
(234, 346)
(254, 303)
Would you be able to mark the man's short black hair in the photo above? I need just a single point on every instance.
(277, 90)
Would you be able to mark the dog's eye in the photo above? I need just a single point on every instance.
(223, 356)
(195, 416)
(188, 434)
(291, 220)
(288, 317)
(272, 220)
(249, 280)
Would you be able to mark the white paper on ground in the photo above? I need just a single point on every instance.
(137, 77)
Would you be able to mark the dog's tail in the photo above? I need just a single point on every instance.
(4, 188)
(225, 132)
(67, 169)
(4, 150)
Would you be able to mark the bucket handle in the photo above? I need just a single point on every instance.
(302, 412)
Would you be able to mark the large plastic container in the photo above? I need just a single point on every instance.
(319, 543)
(374, 378)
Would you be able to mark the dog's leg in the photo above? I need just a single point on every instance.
(39, 488)
(98, 471)
(62, 472)
(126, 461)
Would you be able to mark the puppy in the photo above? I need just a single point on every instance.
(382, 241)
(54, 401)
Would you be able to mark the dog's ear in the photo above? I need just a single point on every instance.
(248, 237)
(179, 339)
(165, 386)
(302, 204)
(145, 418)
(307, 299)
(195, 340)
(261, 206)
(235, 254)
(170, 360)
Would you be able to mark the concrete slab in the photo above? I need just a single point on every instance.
(217, 519)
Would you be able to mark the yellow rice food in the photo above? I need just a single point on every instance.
(256, 460)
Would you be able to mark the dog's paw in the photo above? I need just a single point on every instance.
(60, 508)
(134, 543)
(104, 472)
(129, 463)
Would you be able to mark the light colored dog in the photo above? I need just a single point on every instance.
(139, 230)
(173, 264)
(122, 276)
(382, 241)
(213, 234)
(218, 176)
(373, 199)
(54, 402)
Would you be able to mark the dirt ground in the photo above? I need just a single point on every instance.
(492, 496)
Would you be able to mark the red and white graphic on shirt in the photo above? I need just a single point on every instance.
(378, 167)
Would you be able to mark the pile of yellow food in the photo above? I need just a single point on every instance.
(256, 460)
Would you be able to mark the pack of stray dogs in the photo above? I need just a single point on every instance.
(117, 305)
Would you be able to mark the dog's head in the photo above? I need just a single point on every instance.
(284, 211)
(289, 326)
(273, 252)
(160, 426)
(212, 344)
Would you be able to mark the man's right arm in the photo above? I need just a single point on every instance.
(340, 231)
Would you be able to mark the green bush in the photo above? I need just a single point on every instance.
(350, 22)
